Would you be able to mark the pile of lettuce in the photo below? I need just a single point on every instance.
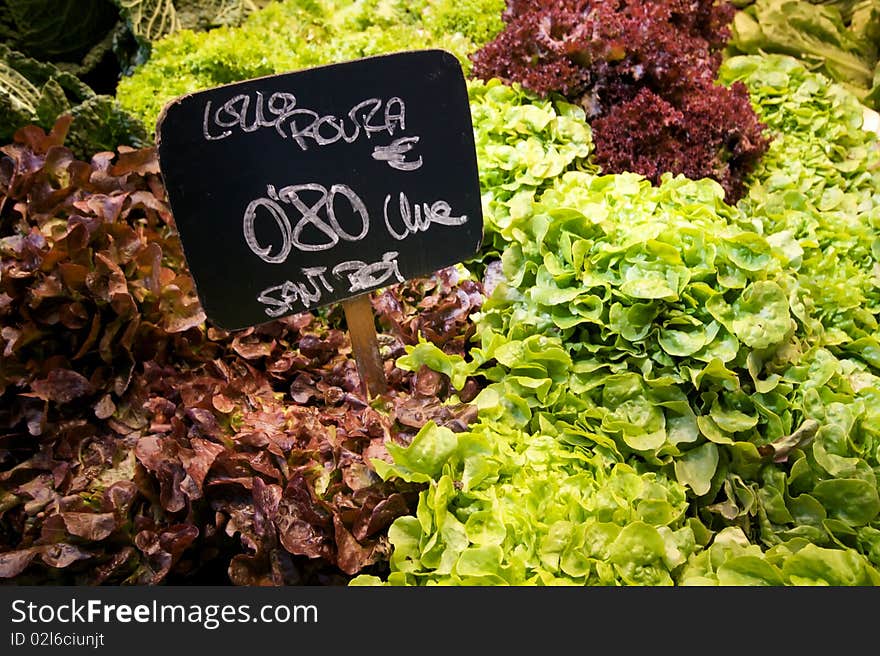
(839, 38)
(680, 391)
(644, 71)
(523, 143)
(295, 34)
(139, 444)
(510, 507)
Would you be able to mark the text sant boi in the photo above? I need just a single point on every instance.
(313, 205)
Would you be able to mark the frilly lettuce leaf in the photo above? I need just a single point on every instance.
(732, 560)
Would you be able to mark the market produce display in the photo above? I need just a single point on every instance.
(662, 368)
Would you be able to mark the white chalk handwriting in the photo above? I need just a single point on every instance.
(419, 218)
(281, 111)
(291, 296)
(363, 276)
(319, 218)
(291, 293)
(323, 200)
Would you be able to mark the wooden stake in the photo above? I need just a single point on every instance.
(362, 331)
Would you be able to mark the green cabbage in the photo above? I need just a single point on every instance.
(33, 92)
(69, 31)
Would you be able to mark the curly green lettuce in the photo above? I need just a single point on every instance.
(816, 193)
(522, 142)
(504, 507)
(297, 34)
(729, 352)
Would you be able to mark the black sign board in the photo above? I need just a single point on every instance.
(306, 188)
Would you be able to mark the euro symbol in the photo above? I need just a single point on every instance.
(395, 152)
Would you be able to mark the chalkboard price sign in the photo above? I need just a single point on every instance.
(297, 190)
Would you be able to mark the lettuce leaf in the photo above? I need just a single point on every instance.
(838, 39)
